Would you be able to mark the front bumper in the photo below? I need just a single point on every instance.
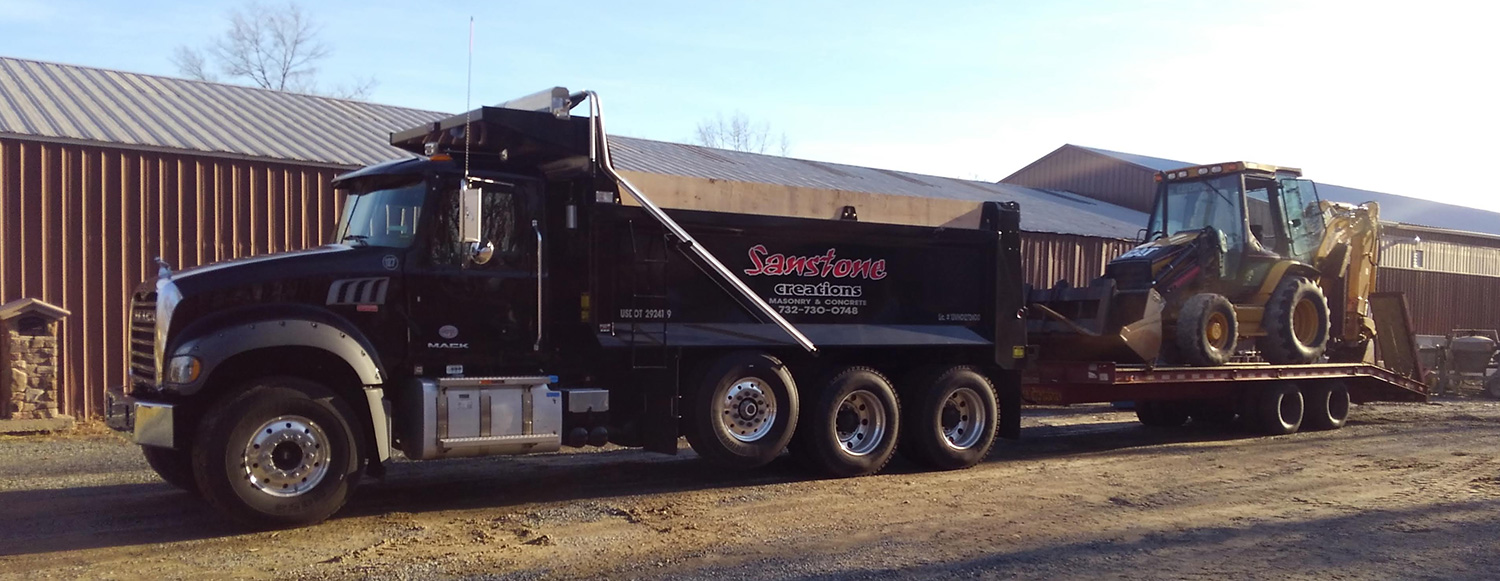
(148, 423)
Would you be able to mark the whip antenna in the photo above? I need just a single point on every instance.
(468, 96)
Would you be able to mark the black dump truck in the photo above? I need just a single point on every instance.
(506, 291)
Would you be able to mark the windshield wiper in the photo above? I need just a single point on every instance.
(1222, 195)
(360, 238)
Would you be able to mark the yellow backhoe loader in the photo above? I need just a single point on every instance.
(1233, 252)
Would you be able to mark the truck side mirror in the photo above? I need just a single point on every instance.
(470, 207)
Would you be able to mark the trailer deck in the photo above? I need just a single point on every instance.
(1063, 383)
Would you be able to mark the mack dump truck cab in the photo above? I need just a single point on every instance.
(506, 291)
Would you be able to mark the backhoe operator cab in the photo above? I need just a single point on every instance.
(1244, 250)
(1232, 250)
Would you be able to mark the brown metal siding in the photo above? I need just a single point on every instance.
(80, 226)
(1090, 174)
(1048, 258)
(1440, 302)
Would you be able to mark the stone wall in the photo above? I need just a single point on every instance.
(30, 374)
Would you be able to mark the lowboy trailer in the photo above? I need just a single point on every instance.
(1272, 399)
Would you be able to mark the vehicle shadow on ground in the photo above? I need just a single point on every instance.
(44, 521)
(1434, 540)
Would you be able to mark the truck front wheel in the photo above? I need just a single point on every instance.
(743, 411)
(852, 427)
(173, 466)
(280, 454)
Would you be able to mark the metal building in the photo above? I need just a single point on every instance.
(1446, 258)
(101, 172)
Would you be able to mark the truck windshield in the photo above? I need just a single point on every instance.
(383, 217)
(1192, 205)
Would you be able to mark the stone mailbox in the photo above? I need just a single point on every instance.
(29, 384)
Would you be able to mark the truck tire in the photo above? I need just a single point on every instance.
(1161, 414)
(1278, 410)
(853, 425)
(952, 418)
(1327, 406)
(173, 466)
(743, 411)
(280, 454)
(1206, 330)
(1296, 323)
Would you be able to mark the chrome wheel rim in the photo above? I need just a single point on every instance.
(287, 456)
(859, 423)
(962, 419)
(745, 410)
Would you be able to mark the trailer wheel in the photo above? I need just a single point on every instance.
(853, 425)
(1327, 406)
(1161, 414)
(1206, 331)
(1278, 410)
(1296, 323)
(173, 466)
(743, 411)
(952, 424)
(280, 454)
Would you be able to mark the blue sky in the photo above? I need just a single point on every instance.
(1390, 96)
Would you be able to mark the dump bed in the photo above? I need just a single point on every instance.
(842, 283)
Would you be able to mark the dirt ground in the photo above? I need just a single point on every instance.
(1404, 491)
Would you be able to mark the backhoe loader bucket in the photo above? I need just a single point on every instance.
(1095, 323)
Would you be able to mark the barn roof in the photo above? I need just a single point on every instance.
(59, 101)
(1393, 208)
(49, 100)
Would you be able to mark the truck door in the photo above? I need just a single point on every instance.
(479, 318)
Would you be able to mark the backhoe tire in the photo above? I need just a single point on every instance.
(743, 411)
(1296, 323)
(1278, 410)
(173, 466)
(1206, 330)
(1327, 406)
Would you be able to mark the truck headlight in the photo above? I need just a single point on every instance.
(183, 369)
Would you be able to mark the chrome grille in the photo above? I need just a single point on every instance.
(143, 340)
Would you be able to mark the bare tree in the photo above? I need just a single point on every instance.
(739, 133)
(274, 47)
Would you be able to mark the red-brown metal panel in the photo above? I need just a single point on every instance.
(1441, 302)
(1048, 258)
(80, 226)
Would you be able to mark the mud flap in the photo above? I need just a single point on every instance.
(1008, 392)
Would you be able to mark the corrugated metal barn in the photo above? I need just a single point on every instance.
(1446, 258)
(103, 171)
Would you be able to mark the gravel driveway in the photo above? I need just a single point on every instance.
(1404, 491)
